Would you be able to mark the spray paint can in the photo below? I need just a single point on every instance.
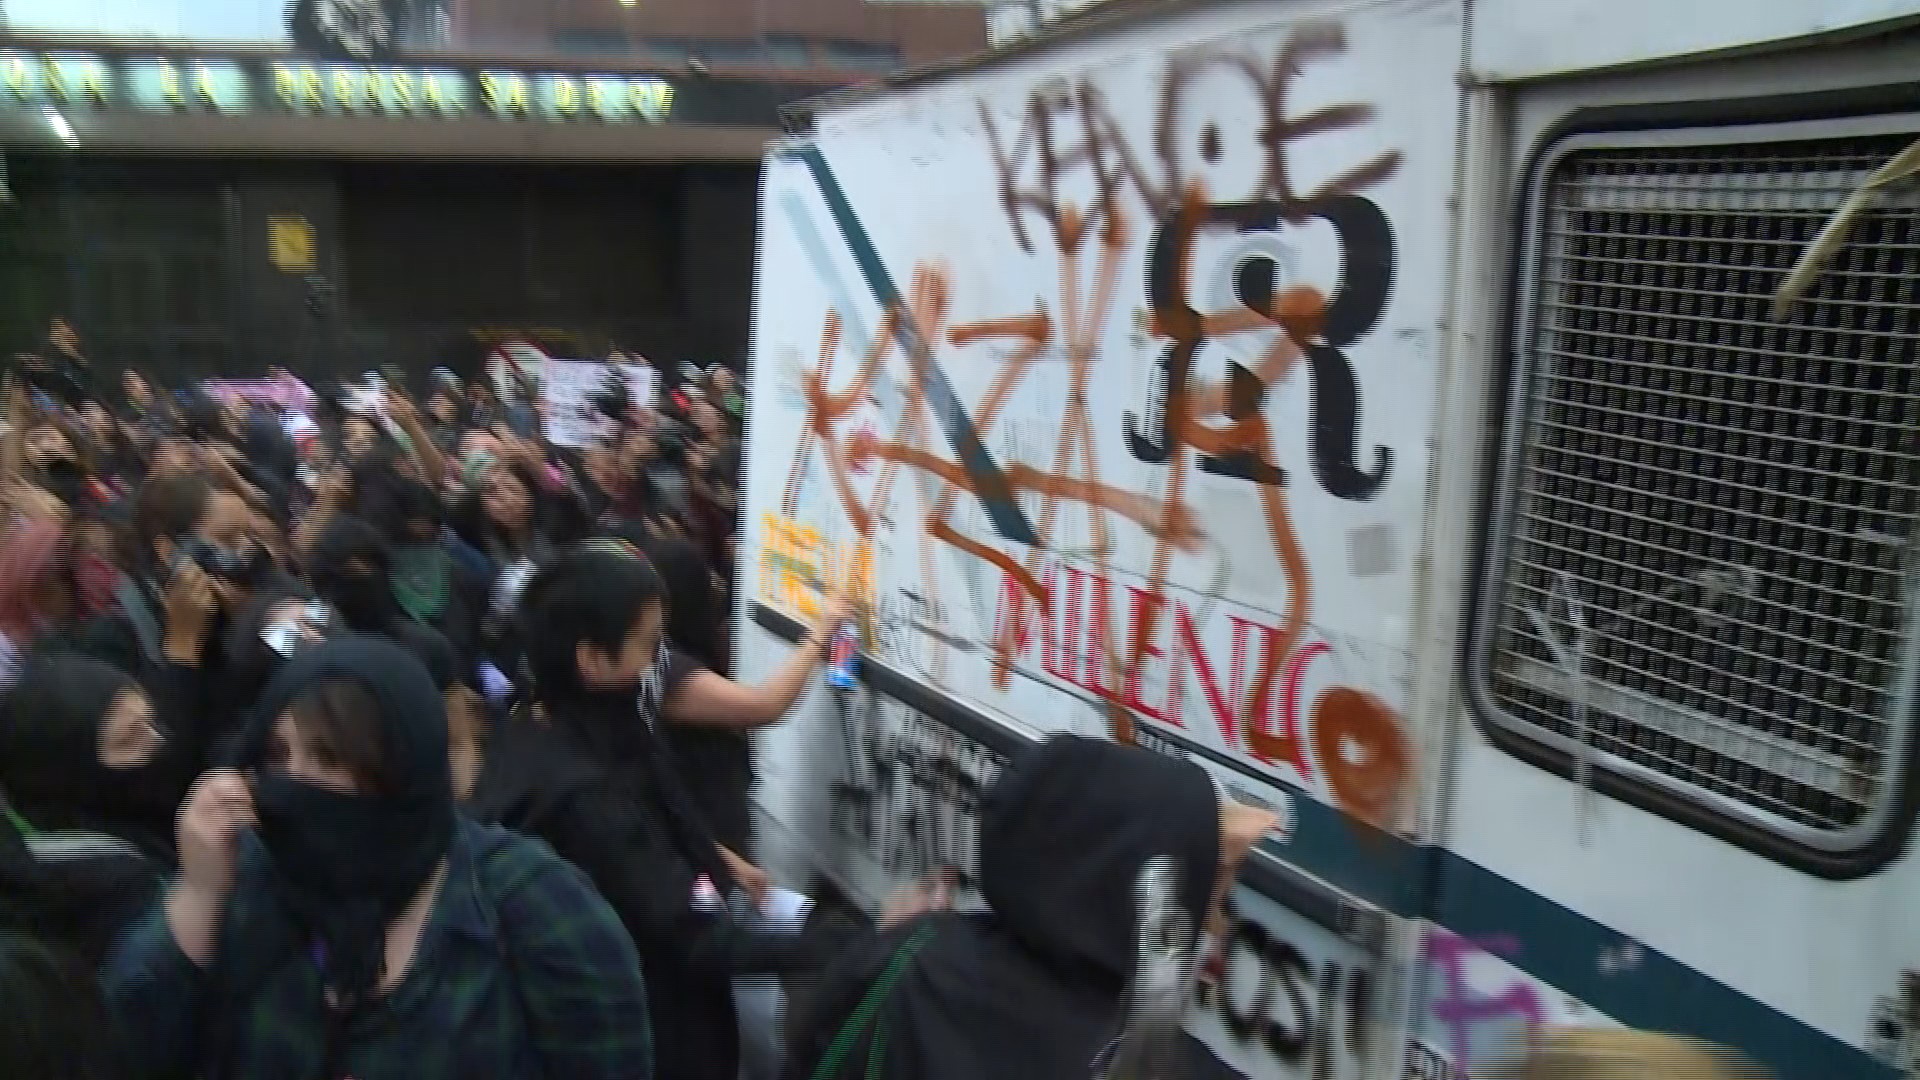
(843, 657)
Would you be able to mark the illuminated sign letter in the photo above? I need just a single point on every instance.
(54, 79)
(93, 82)
(170, 86)
(652, 98)
(431, 84)
(19, 78)
(285, 86)
(203, 85)
(596, 98)
(400, 86)
(313, 93)
(504, 93)
(566, 96)
(346, 87)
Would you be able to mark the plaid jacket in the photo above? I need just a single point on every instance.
(522, 971)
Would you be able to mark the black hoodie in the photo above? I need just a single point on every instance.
(77, 889)
(346, 864)
(594, 782)
(1033, 987)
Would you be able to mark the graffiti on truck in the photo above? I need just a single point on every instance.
(1113, 208)
(1281, 995)
(910, 791)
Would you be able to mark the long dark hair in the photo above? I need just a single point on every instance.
(556, 518)
(696, 603)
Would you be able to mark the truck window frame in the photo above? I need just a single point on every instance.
(1881, 834)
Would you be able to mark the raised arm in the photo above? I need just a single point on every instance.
(707, 699)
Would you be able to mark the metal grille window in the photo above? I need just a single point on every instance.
(1698, 575)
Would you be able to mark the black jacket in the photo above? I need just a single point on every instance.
(629, 828)
(1031, 989)
(76, 889)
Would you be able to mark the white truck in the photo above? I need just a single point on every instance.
(1384, 404)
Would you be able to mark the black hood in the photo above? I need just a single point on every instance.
(50, 764)
(364, 597)
(347, 864)
(50, 729)
(1034, 987)
(1064, 835)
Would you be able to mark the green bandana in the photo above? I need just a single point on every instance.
(422, 579)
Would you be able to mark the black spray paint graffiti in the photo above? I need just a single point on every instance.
(1071, 165)
(1366, 244)
(911, 796)
(1313, 1018)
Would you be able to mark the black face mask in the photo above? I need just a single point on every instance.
(365, 601)
(325, 847)
(147, 797)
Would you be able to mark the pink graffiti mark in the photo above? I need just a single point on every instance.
(1461, 1008)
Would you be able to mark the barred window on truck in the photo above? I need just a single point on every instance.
(1696, 583)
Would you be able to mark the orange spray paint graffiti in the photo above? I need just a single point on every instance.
(1071, 168)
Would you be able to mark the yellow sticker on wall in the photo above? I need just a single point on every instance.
(290, 244)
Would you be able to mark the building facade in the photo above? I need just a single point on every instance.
(849, 36)
(198, 194)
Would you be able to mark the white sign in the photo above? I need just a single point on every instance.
(513, 363)
(568, 389)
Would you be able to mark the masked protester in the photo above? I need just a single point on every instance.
(591, 777)
(1035, 986)
(335, 917)
(435, 582)
(92, 781)
(349, 567)
(82, 749)
(271, 632)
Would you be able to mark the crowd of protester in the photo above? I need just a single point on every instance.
(392, 740)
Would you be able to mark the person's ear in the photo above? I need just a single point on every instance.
(595, 666)
(165, 549)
